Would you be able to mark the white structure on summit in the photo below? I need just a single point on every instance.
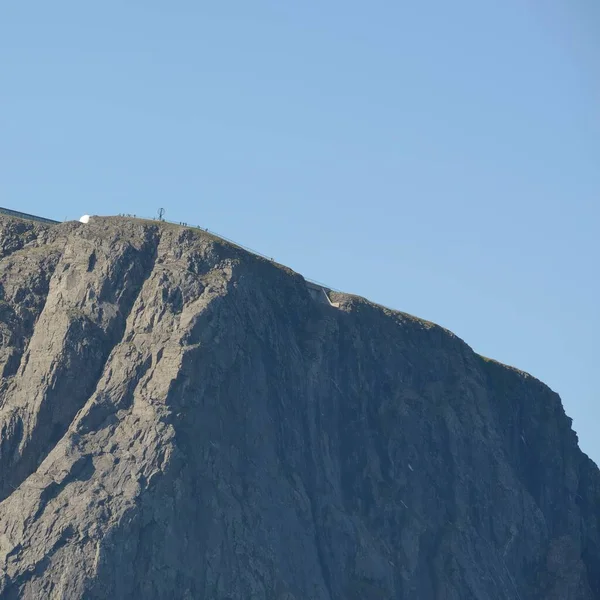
(84, 219)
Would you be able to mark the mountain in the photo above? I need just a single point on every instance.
(182, 419)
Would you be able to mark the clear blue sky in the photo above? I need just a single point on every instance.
(442, 158)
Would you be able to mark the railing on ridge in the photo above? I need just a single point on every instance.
(21, 215)
(226, 239)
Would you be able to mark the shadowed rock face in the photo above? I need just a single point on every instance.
(180, 419)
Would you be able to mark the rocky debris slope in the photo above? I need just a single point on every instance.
(180, 419)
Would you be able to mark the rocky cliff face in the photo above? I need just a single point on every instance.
(180, 419)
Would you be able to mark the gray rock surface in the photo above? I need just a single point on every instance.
(180, 419)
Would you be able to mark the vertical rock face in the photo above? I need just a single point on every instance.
(180, 419)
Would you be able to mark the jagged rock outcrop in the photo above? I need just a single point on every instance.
(180, 419)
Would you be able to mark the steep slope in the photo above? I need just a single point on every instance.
(180, 419)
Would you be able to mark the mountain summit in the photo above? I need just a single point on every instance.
(182, 419)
